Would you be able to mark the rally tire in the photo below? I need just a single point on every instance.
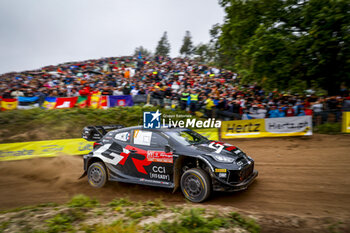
(97, 175)
(195, 185)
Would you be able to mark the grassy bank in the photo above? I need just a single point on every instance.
(39, 124)
(328, 128)
(84, 214)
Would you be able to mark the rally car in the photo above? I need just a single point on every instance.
(166, 157)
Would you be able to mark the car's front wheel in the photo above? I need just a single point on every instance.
(97, 175)
(195, 185)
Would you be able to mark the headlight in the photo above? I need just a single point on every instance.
(222, 159)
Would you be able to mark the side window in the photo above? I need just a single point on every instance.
(123, 136)
(158, 141)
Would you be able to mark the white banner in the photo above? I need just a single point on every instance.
(289, 125)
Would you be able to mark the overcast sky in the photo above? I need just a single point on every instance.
(35, 33)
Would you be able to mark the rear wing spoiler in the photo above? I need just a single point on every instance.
(95, 133)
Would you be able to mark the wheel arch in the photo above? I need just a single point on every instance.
(180, 167)
(94, 160)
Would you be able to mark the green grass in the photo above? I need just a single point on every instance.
(249, 224)
(120, 202)
(328, 128)
(62, 222)
(32, 207)
(81, 200)
(4, 225)
(82, 209)
(118, 226)
(195, 220)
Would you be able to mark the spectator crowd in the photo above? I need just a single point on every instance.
(170, 83)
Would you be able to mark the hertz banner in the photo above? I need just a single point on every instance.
(346, 122)
(26, 150)
(268, 127)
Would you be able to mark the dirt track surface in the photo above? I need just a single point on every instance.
(302, 177)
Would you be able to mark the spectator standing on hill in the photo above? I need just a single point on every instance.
(118, 91)
(290, 111)
(193, 101)
(273, 113)
(7, 94)
(134, 91)
(184, 99)
(301, 111)
(261, 112)
(209, 104)
(281, 112)
(16, 93)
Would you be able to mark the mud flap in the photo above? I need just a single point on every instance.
(177, 172)
(83, 175)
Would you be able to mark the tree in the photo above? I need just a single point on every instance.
(144, 52)
(187, 46)
(288, 43)
(163, 47)
(202, 51)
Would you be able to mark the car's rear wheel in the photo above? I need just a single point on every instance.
(97, 175)
(195, 185)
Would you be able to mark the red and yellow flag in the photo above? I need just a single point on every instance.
(8, 104)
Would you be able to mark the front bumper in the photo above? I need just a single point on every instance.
(220, 185)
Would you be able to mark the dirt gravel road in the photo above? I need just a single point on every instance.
(303, 177)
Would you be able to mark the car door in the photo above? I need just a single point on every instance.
(151, 163)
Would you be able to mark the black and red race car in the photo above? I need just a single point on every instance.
(166, 157)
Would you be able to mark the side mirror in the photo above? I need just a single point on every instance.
(168, 149)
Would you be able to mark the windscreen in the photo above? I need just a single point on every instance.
(187, 137)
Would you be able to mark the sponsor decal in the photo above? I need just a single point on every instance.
(269, 127)
(139, 164)
(237, 152)
(113, 158)
(26, 150)
(217, 146)
(125, 136)
(220, 170)
(159, 156)
(142, 137)
(154, 181)
(159, 172)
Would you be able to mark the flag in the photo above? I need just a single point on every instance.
(28, 102)
(8, 104)
(94, 101)
(104, 102)
(66, 102)
(49, 103)
(82, 101)
(120, 100)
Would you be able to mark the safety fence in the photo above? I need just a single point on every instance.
(268, 127)
(229, 129)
